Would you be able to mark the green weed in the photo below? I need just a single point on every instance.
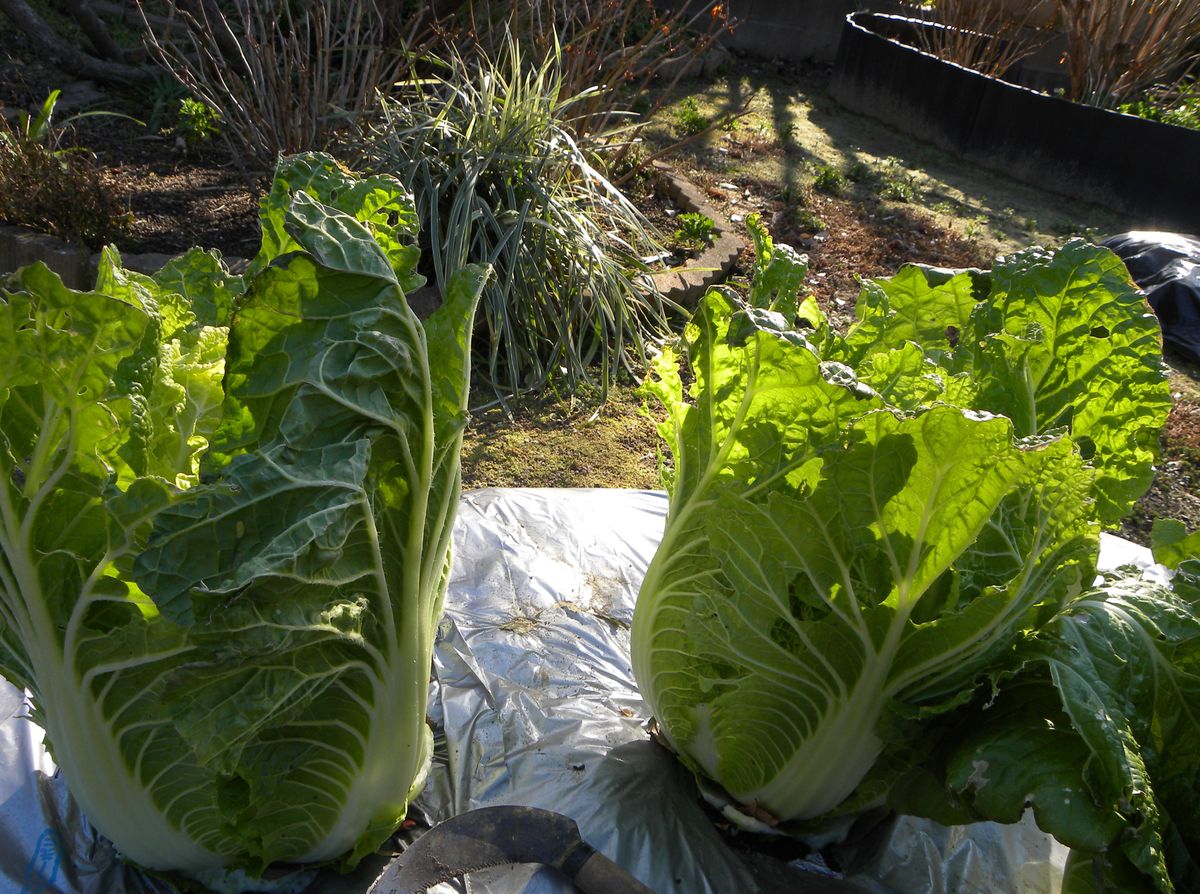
(688, 118)
(829, 180)
(694, 229)
(858, 171)
(196, 121)
(807, 221)
(896, 182)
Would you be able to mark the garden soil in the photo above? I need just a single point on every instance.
(766, 162)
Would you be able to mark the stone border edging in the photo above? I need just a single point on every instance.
(20, 247)
(685, 285)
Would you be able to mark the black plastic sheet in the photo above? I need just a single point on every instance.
(1167, 267)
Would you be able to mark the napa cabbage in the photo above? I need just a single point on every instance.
(871, 535)
(225, 515)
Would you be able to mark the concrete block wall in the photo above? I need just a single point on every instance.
(792, 30)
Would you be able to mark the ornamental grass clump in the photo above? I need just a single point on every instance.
(627, 47)
(1118, 49)
(499, 176)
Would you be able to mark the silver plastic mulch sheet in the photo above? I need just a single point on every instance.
(533, 702)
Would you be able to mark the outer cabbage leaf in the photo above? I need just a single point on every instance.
(1067, 339)
(1100, 735)
(778, 272)
(1050, 340)
(231, 664)
(908, 307)
(1172, 543)
(379, 202)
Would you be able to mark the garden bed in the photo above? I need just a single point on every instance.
(180, 196)
(1143, 168)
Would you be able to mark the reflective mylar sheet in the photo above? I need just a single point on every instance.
(533, 702)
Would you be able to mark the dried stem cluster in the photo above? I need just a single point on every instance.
(1117, 49)
(989, 36)
(285, 75)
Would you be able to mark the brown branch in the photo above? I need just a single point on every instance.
(209, 15)
(63, 53)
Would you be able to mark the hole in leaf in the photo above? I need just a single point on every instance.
(1100, 332)
(784, 636)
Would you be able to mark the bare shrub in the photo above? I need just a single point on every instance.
(284, 75)
(1117, 49)
(988, 36)
(611, 50)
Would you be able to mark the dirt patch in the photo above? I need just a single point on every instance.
(1176, 489)
(790, 128)
(845, 240)
(551, 443)
(179, 196)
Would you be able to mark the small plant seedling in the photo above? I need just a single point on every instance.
(793, 194)
(1068, 230)
(196, 121)
(829, 180)
(858, 171)
(39, 131)
(689, 120)
(807, 221)
(974, 228)
(896, 182)
(694, 229)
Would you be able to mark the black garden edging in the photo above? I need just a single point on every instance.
(1145, 169)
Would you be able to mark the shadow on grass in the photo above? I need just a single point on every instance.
(812, 131)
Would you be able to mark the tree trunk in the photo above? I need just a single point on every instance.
(63, 53)
(94, 30)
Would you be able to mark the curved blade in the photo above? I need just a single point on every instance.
(489, 836)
